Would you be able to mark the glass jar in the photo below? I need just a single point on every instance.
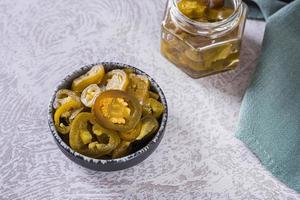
(202, 48)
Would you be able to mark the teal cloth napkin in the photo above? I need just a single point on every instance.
(270, 113)
(262, 9)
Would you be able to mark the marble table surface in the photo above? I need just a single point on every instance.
(199, 157)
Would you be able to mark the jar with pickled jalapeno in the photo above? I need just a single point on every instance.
(203, 37)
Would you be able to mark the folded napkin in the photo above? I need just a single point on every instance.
(262, 9)
(270, 113)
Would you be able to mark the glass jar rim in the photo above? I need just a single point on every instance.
(232, 17)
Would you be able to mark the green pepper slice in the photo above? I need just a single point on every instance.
(153, 107)
(132, 134)
(153, 95)
(218, 14)
(62, 115)
(122, 150)
(64, 96)
(117, 110)
(89, 138)
(117, 80)
(149, 127)
(108, 140)
(89, 94)
(93, 76)
(138, 86)
(193, 9)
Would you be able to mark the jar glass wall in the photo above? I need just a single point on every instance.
(202, 48)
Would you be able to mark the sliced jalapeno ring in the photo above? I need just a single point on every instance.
(138, 86)
(132, 134)
(117, 80)
(153, 95)
(89, 95)
(117, 110)
(149, 127)
(62, 115)
(63, 96)
(89, 138)
(153, 107)
(193, 9)
(107, 140)
(93, 76)
(122, 150)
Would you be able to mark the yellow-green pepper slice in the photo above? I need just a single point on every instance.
(89, 95)
(117, 80)
(108, 140)
(117, 110)
(149, 126)
(132, 134)
(63, 96)
(89, 138)
(138, 86)
(153, 107)
(218, 14)
(193, 9)
(62, 115)
(122, 150)
(153, 95)
(216, 53)
(93, 76)
(128, 71)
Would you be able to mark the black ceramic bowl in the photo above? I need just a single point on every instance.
(139, 152)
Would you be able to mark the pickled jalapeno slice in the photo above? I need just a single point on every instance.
(117, 80)
(62, 116)
(122, 150)
(80, 134)
(138, 86)
(107, 140)
(218, 14)
(153, 95)
(193, 9)
(75, 113)
(204, 10)
(149, 126)
(153, 107)
(89, 95)
(217, 53)
(117, 110)
(132, 134)
(93, 76)
(89, 138)
(63, 96)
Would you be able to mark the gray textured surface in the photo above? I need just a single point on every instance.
(199, 158)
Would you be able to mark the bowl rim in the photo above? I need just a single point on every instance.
(156, 138)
